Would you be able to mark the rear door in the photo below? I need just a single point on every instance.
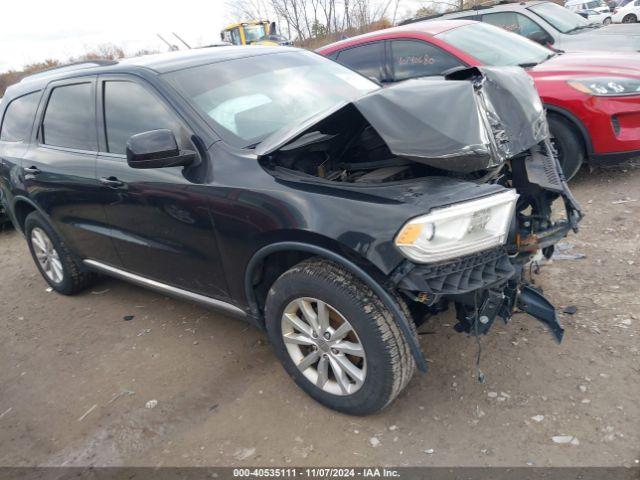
(159, 217)
(15, 132)
(59, 168)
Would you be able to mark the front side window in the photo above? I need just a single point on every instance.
(505, 20)
(366, 59)
(246, 101)
(130, 109)
(18, 118)
(69, 120)
(413, 58)
(495, 46)
(560, 18)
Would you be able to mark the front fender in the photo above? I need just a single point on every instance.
(398, 315)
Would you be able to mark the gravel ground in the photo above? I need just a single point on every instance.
(77, 380)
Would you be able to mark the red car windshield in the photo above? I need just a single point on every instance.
(495, 46)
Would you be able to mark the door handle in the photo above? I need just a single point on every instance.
(112, 182)
(33, 170)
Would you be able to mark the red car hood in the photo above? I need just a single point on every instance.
(571, 65)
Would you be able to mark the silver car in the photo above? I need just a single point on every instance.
(551, 25)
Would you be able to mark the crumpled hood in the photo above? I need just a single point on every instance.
(474, 119)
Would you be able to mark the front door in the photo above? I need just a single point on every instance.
(160, 218)
(59, 166)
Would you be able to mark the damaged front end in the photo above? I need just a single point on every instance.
(492, 283)
(481, 125)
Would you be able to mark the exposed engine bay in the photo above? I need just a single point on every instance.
(479, 124)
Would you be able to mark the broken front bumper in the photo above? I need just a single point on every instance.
(490, 283)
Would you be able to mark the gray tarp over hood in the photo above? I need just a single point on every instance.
(474, 119)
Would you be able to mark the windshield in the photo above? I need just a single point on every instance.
(247, 100)
(560, 18)
(253, 33)
(495, 46)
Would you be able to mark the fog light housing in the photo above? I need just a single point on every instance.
(459, 229)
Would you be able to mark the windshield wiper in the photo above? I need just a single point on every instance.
(578, 28)
(533, 64)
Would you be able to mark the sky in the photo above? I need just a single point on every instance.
(34, 30)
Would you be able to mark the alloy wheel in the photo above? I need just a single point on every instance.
(324, 346)
(47, 255)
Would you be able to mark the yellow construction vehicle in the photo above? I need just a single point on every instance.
(253, 32)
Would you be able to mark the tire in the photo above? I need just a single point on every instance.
(607, 21)
(387, 363)
(73, 278)
(568, 143)
(630, 18)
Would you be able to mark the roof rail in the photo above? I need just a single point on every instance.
(484, 6)
(87, 63)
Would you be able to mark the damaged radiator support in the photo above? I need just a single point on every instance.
(483, 286)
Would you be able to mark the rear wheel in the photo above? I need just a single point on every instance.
(630, 18)
(568, 144)
(52, 257)
(336, 339)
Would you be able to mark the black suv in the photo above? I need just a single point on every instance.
(279, 186)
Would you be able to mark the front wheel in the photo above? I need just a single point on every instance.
(336, 339)
(568, 144)
(607, 21)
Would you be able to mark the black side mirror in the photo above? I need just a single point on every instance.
(157, 149)
(543, 38)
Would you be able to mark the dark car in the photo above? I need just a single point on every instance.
(281, 187)
(551, 25)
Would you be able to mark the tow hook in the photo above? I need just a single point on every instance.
(531, 301)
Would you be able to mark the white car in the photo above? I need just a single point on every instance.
(595, 17)
(597, 5)
(630, 13)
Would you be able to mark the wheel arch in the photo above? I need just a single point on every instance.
(358, 266)
(21, 208)
(574, 122)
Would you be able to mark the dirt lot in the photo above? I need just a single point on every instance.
(76, 377)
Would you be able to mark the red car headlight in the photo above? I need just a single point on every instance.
(607, 86)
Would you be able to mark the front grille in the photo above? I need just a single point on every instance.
(472, 272)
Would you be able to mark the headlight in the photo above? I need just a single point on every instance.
(459, 229)
(607, 86)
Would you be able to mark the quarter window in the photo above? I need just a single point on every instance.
(411, 59)
(18, 118)
(69, 120)
(366, 59)
(130, 109)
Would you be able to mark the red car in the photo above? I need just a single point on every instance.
(592, 99)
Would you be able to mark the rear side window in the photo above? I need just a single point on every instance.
(69, 120)
(18, 118)
(411, 59)
(130, 109)
(366, 59)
